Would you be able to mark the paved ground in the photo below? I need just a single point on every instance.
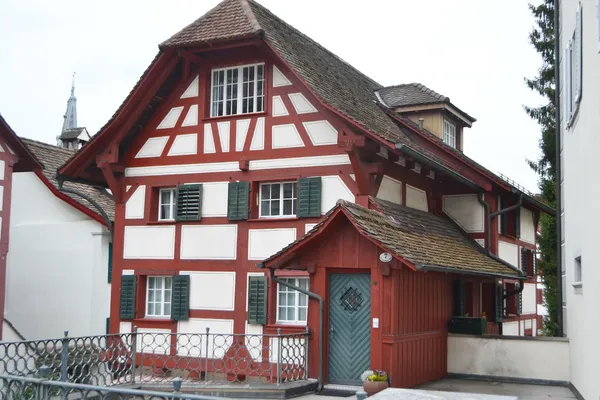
(522, 391)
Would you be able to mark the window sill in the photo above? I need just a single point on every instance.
(577, 284)
(163, 222)
(236, 116)
(285, 328)
(272, 219)
(154, 319)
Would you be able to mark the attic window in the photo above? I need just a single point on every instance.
(449, 134)
(237, 90)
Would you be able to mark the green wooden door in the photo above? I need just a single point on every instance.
(349, 353)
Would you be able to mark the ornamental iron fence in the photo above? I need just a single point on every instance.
(150, 357)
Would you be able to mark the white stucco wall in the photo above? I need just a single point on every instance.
(580, 144)
(57, 265)
(516, 357)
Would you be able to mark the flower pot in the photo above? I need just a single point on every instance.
(373, 387)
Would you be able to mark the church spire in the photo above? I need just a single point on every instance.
(70, 117)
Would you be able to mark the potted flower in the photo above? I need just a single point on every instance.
(376, 382)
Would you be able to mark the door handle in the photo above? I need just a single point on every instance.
(331, 330)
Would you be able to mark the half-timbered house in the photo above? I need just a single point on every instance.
(246, 143)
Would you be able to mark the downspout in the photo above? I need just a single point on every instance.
(97, 206)
(557, 123)
(321, 321)
(488, 239)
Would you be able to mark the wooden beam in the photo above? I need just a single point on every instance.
(113, 184)
(362, 177)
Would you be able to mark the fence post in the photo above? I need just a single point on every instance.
(44, 373)
(306, 336)
(133, 353)
(206, 356)
(64, 358)
(278, 356)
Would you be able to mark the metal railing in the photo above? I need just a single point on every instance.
(24, 388)
(146, 357)
(516, 185)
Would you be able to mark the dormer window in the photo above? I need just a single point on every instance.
(238, 90)
(449, 133)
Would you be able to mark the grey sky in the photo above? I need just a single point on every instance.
(474, 51)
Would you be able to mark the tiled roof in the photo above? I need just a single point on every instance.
(72, 133)
(52, 158)
(410, 94)
(230, 19)
(428, 241)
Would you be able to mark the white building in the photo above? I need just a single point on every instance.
(580, 97)
(58, 263)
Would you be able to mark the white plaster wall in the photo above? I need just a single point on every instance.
(134, 208)
(530, 358)
(57, 265)
(214, 199)
(581, 214)
(208, 242)
(416, 198)
(149, 242)
(390, 190)
(529, 298)
(511, 328)
(263, 243)
(527, 226)
(333, 188)
(194, 326)
(153, 341)
(466, 211)
(211, 290)
(508, 252)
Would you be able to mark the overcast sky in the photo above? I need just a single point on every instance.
(474, 51)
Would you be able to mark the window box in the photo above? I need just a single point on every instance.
(468, 325)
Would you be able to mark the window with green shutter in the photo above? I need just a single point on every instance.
(110, 261)
(525, 261)
(180, 309)
(459, 298)
(498, 302)
(309, 197)
(189, 203)
(238, 201)
(257, 299)
(127, 303)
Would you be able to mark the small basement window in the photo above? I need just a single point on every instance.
(166, 204)
(449, 133)
(158, 296)
(278, 199)
(577, 273)
(292, 306)
(237, 90)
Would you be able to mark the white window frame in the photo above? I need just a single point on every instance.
(173, 197)
(573, 74)
(240, 91)
(284, 289)
(281, 199)
(598, 23)
(449, 134)
(163, 289)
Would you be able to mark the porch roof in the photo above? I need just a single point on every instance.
(420, 240)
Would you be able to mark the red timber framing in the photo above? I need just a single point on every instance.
(14, 157)
(273, 145)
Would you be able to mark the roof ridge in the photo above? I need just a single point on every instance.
(52, 146)
(313, 41)
(250, 14)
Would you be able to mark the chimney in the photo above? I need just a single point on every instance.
(421, 120)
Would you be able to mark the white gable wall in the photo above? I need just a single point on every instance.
(58, 281)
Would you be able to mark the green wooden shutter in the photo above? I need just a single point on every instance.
(189, 203)
(309, 197)
(180, 308)
(110, 262)
(257, 299)
(525, 261)
(238, 201)
(108, 325)
(498, 302)
(534, 262)
(459, 298)
(520, 303)
(127, 305)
